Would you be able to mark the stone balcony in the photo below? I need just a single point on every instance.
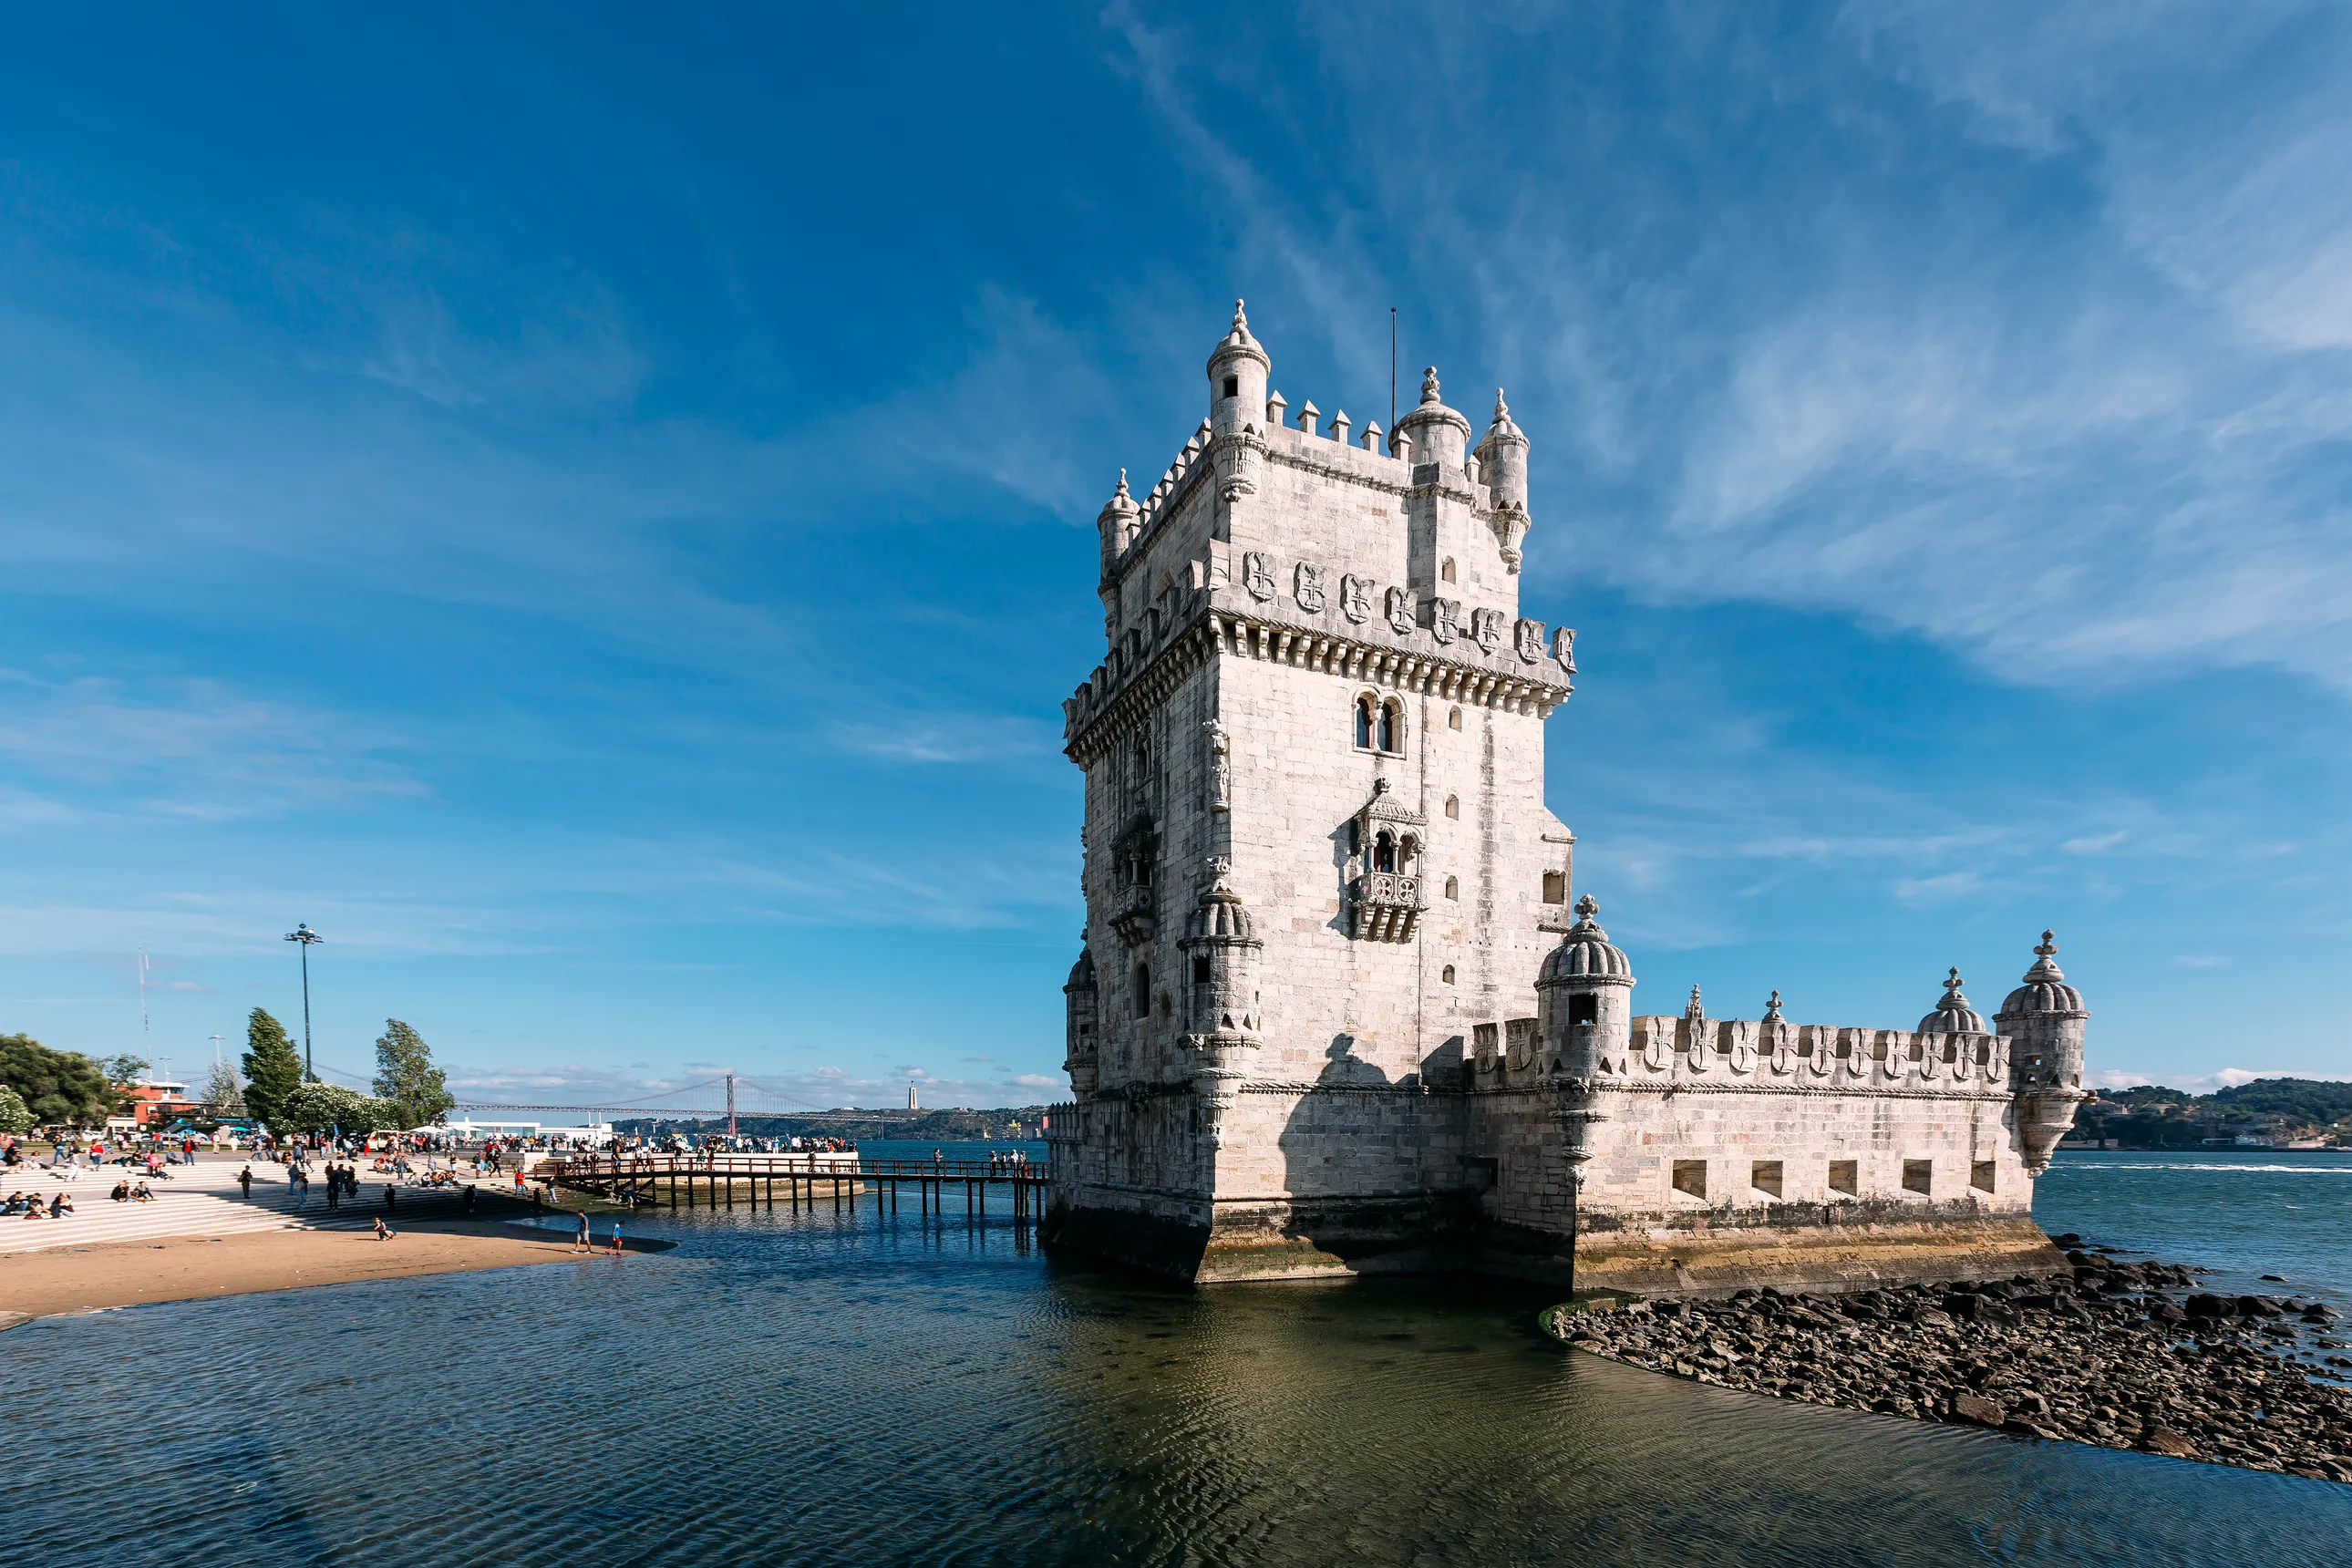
(1134, 914)
(1386, 907)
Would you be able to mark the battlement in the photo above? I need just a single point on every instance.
(1751, 1054)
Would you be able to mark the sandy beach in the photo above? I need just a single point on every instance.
(193, 1267)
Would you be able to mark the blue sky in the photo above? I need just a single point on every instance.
(592, 508)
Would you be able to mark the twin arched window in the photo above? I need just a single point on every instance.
(1391, 853)
(1380, 724)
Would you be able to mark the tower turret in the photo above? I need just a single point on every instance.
(1117, 524)
(1584, 1001)
(2045, 1017)
(1438, 433)
(1502, 466)
(1221, 950)
(1238, 370)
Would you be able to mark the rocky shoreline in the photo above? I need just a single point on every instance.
(2119, 1354)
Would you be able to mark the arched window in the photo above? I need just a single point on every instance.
(1447, 974)
(1453, 887)
(1454, 719)
(1385, 853)
(1453, 806)
(1446, 570)
(1408, 852)
(1391, 733)
(1364, 722)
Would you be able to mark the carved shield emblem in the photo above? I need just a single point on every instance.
(1445, 619)
(1308, 588)
(1563, 648)
(1530, 641)
(1399, 612)
(1257, 575)
(1486, 629)
(1355, 598)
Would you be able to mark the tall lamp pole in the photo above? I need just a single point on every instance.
(309, 939)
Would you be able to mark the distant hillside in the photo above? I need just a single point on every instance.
(2158, 1117)
(1009, 1123)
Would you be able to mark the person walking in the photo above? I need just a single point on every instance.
(244, 1179)
(391, 1198)
(334, 1189)
(579, 1242)
(616, 1249)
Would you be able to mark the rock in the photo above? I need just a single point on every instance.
(2257, 1307)
(2165, 1440)
(1979, 1411)
(2166, 1312)
(1978, 1309)
(2205, 1304)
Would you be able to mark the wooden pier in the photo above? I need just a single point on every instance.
(716, 1180)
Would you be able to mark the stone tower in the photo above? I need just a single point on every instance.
(1320, 875)
(1331, 1013)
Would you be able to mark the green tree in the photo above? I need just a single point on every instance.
(273, 1069)
(13, 1115)
(329, 1107)
(56, 1086)
(224, 1092)
(124, 1069)
(404, 1075)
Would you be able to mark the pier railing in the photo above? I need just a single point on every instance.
(718, 1179)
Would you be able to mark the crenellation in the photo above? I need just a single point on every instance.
(1332, 1014)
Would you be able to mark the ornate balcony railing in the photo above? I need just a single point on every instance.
(1134, 914)
(1386, 907)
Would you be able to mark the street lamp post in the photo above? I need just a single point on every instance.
(303, 933)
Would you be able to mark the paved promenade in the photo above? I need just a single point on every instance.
(205, 1200)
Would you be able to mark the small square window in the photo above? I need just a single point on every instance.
(1845, 1177)
(1690, 1176)
(1918, 1176)
(1764, 1175)
(1980, 1175)
(1554, 890)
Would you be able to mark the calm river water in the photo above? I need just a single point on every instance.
(823, 1390)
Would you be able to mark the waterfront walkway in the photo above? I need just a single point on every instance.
(205, 1200)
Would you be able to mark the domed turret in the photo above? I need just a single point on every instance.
(1117, 524)
(2045, 1017)
(1953, 1016)
(1438, 433)
(1238, 370)
(1221, 946)
(1503, 466)
(2045, 989)
(1584, 1000)
(1585, 953)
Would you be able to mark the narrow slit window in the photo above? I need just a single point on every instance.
(1364, 722)
(1454, 887)
(1454, 719)
(1453, 806)
(1446, 570)
(1392, 726)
